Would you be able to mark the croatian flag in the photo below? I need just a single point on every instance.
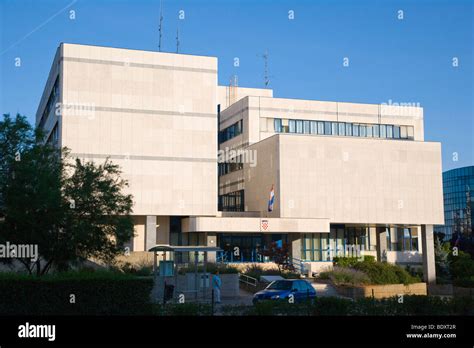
(271, 200)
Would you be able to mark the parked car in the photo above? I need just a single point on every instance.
(281, 290)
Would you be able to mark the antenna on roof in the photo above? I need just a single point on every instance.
(266, 77)
(177, 39)
(161, 25)
(233, 85)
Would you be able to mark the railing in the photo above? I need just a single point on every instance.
(248, 280)
(298, 265)
(229, 257)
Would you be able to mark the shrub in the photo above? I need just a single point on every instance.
(140, 269)
(386, 273)
(334, 306)
(352, 261)
(462, 269)
(183, 309)
(96, 293)
(466, 282)
(331, 306)
(346, 276)
(355, 272)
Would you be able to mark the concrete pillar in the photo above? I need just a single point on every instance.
(427, 240)
(211, 240)
(295, 245)
(382, 244)
(138, 240)
(150, 232)
(163, 230)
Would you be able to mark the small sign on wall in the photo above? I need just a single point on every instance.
(264, 225)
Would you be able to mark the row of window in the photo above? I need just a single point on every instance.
(350, 240)
(231, 131)
(406, 239)
(229, 167)
(233, 201)
(50, 104)
(54, 136)
(343, 129)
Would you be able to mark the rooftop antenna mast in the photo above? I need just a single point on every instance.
(233, 85)
(266, 77)
(177, 39)
(161, 25)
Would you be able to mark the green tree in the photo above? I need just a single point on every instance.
(442, 250)
(71, 210)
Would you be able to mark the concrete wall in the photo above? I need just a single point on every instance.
(227, 96)
(259, 179)
(348, 180)
(154, 114)
(259, 111)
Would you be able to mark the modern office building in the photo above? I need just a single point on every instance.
(458, 192)
(237, 168)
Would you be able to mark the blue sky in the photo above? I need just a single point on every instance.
(408, 60)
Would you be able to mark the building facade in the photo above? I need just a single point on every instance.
(458, 192)
(203, 161)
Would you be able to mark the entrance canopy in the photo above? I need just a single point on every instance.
(254, 225)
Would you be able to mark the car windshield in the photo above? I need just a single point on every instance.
(280, 285)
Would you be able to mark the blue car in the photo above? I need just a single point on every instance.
(282, 289)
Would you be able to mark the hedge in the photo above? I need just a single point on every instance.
(333, 306)
(97, 293)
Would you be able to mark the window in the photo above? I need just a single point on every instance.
(370, 131)
(292, 126)
(320, 127)
(277, 125)
(334, 128)
(312, 247)
(383, 131)
(376, 130)
(314, 127)
(363, 130)
(403, 132)
(233, 201)
(357, 237)
(299, 126)
(327, 128)
(407, 239)
(410, 132)
(355, 130)
(54, 136)
(414, 239)
(396, 132)
(231, 131)
(342, 128)
(284, 125)
(234, 164)
(389, 131)
(306, 129)
(50, 105)
(349, 129)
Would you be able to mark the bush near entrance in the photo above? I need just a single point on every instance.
(353, 271)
